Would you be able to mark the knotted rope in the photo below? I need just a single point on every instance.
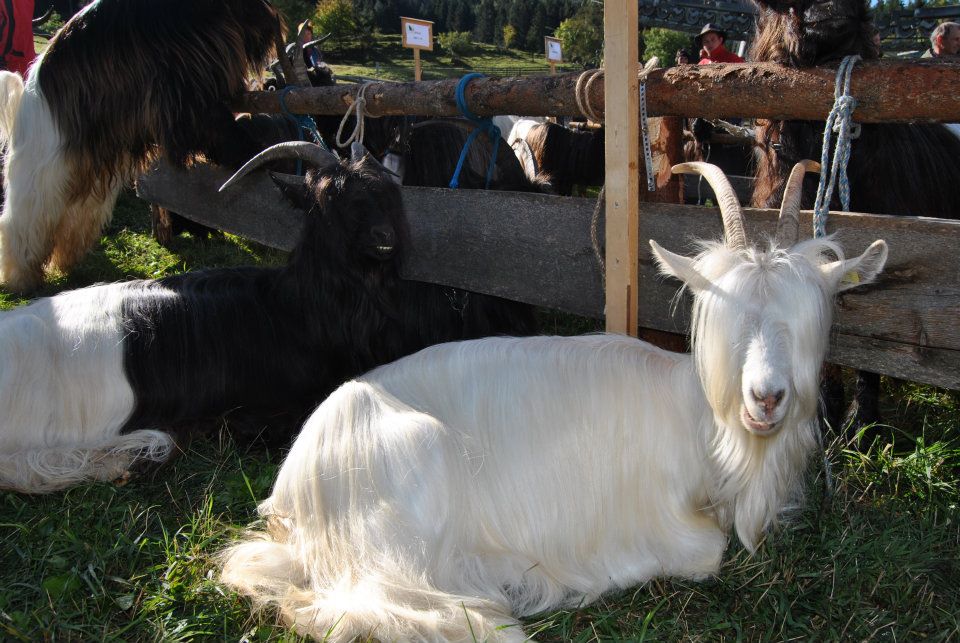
(839, 121)
(480, 125)
(359, 107)
(303, 123)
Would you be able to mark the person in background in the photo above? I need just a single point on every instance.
(682, 57)
(311, 55)
(16, 36)
(944, 41)
(710, 41)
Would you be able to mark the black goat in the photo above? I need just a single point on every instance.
(95, 380)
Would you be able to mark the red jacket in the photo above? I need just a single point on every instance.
(719, 55)
(16, 35)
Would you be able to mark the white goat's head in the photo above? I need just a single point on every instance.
(762, 316)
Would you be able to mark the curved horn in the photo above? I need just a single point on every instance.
(302, 150)
(788, 225)
(730, 210)
(358, 151)
(42, 19)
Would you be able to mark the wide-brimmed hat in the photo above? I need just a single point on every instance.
(304, 25)
(707, 28)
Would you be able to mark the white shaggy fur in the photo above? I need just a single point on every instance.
(65, 395)
(441, 496)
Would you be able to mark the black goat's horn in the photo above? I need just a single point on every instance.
(309, 152)
(788, 225)
(730, 210)
(359, 150)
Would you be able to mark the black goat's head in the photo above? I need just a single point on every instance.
(804, 33)
(354, 210)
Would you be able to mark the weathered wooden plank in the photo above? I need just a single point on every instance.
(621, 150)
(256, 211)
(886, 91)
(536, 248)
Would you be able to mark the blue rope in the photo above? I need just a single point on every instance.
(303, 123)
(839, 121)
(481, 125)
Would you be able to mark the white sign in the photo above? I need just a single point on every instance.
(417, 34)
(554, 50)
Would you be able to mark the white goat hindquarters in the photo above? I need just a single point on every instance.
(440, 494)
(63, 393)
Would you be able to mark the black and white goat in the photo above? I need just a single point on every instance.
(94, 380)
(441, 496)
(121, 79)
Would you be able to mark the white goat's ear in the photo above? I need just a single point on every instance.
(678, 266)
(859, 270)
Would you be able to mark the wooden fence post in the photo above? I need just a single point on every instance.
(622, 113)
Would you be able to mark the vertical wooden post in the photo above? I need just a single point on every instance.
(553, 68)
(621, 117)
(416, 64)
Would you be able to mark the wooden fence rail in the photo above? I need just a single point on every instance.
(886, 91)
(536, 249)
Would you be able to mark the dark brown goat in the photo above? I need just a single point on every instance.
(566, 158)
(902, 169)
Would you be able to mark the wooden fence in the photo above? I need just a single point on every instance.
(537, 249)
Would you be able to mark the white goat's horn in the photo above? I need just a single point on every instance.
(309, 152)
(788, 225)
(730, 210)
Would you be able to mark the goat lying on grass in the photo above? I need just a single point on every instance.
(119, 80)
(94, 380)
(441, 496)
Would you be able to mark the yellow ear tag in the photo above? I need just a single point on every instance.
(852, 277)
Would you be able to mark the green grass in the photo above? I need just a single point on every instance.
(878, 561)
(389, 60)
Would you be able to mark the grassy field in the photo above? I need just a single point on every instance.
(877, 560)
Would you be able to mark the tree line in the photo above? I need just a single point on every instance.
(519, 24)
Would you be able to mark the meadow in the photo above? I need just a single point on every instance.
(874, 554)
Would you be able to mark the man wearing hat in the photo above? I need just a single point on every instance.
(710, 42)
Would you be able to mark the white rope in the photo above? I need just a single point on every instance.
(839, 121)
(359, 106)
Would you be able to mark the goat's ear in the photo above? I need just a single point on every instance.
(294, 189)
(851, 273)
(678, 266)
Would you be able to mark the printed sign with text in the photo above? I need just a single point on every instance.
(417, 34)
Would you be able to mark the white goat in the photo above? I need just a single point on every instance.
(441, 496)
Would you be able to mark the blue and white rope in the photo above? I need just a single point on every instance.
(839, 121)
